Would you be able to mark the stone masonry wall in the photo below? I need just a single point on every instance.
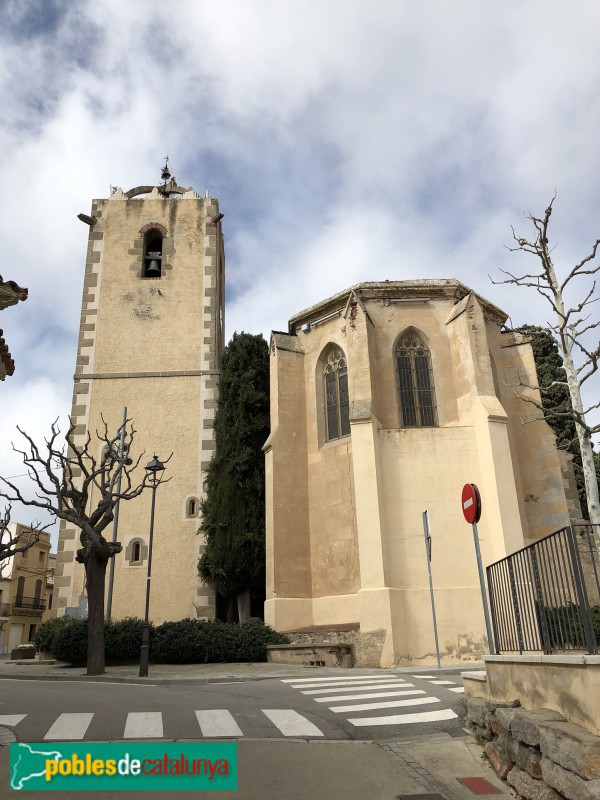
(538, 753)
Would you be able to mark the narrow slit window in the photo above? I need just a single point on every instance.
(415, 382)
(136, 553)
(337, 405)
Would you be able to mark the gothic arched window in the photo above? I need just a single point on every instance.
(416, 393)
(337, 406)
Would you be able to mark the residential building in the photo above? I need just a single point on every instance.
(23, 587)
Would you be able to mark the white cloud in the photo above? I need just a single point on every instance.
(345, 140)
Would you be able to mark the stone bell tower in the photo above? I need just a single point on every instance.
(151, 339)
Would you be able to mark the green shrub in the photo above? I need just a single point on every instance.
(222, 641)
(596, 622)
(186, 641)
(70, 642)
(181, 642)
(123, 640)
(253, 638)
(44, 636)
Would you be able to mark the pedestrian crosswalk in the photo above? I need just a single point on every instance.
(359, 700)
(209, 723)
(388, 692)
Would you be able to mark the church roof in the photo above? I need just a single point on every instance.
(436, 288)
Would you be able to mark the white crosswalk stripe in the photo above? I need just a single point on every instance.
(414, 701)
(218, 722)
(443, 683)
(389, 692)
(458, 689)
(213, 723)
(291, 723)
(69, 726)
(144, 725)
(367, 687)
(406, 719)
(334, 699)
(355, 682)
(11, 719)
(334, 678)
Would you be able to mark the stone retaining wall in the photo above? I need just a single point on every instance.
(366, 647)
(538, 753)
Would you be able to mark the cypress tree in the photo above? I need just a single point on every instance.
(549, 368)
(233, 511)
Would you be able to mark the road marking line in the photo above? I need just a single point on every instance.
(334, 699)
(11, 719)
(355, 682)
(417, 701)
(69, 726)
(405, 719)
(423, 676)
(458, 689)
(365, 688)
(218, 722)
(144, 725)
(443, 683)
(290, 723)
(336, 678)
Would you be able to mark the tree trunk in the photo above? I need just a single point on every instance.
(95, 570)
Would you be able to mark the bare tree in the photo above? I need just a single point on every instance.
(11, 544)
(575, 330)
(65, 477)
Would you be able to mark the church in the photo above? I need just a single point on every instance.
(385, 399)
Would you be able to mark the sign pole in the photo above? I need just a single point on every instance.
(428, 554)
(486, 612)
(471, 508)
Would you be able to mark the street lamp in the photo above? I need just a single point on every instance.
(154, 469)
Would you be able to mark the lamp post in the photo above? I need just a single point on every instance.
(155, 469)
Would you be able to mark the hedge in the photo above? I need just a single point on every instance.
(187, 641)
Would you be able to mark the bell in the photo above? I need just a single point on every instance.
(153, 269)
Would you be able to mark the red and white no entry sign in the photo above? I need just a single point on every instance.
(471, 503)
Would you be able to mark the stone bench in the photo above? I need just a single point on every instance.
(311, 655)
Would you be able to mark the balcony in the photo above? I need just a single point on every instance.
(28, 605)
(4, 610)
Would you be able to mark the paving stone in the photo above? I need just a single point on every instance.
(525, 757)
(572, 747)
(505, 716)
(568, 783)
(525, 724)
(478, 709)
(499, 759)
(529, 787)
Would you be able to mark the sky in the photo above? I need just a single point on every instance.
(346, 141)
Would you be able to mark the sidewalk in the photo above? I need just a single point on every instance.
(161, 674)
(295, 770)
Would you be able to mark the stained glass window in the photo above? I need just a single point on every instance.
(337, 404)
(415, 382)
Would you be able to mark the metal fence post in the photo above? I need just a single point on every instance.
(584, 605)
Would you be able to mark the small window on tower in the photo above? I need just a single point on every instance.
(192, 507)
(136, 553)
(153, 242)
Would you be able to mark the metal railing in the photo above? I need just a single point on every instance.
(5, 610)
(35, 603)
(540, 595)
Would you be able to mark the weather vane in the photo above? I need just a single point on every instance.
(166, 174)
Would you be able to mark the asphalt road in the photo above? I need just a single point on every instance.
(345, 708)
